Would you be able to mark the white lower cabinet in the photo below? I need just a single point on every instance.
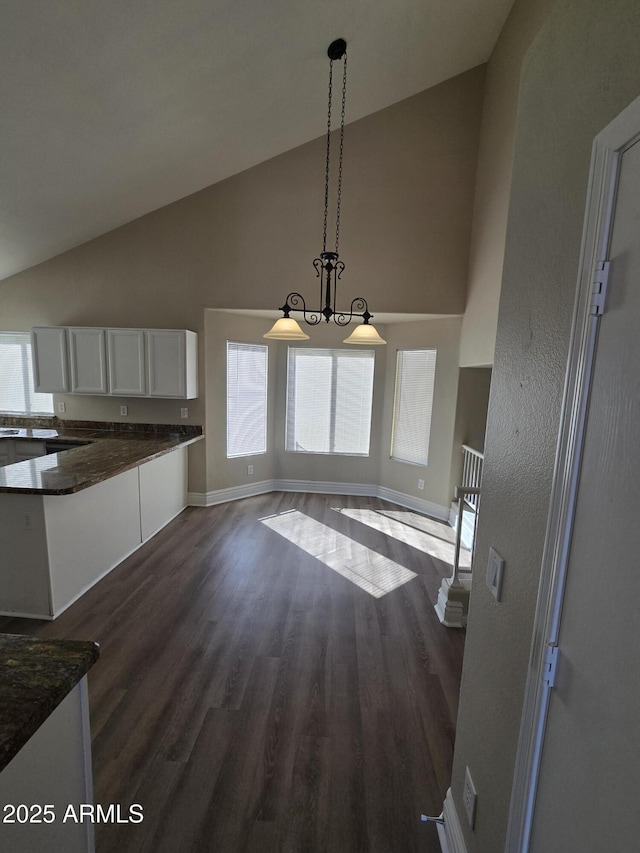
(56, 547)
(52, 769)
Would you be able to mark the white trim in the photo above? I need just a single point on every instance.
(452, 612)
(410, 502)
(20, 615)
(234, 493)
(453, 837)
(85, 724)
(318, 487)
(606, 154)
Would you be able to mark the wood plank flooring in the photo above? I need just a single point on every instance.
(252, 698)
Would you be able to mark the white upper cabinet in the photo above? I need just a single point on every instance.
(119, 362)
(126, 358)
(172, 363)
(50, 367)
(87, 353)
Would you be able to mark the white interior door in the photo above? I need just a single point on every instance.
(589, 779)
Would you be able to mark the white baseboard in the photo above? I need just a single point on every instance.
(454, 839)
(21, 615)
(234, 493)
(410, 502)
(205, 499)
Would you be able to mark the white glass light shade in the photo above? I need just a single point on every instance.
(365, 334)
(286, 329)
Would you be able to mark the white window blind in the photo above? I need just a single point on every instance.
(17, 396)
(413, 403)
(329, 398)
(246, 399)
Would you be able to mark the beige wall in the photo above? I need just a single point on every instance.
(471, 415)
(493, 181)
(443, 335)
(245, 242)
(377, 468)
(223, 473)
(582, 70)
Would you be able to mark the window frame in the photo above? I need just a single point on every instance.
(397, 392)
(27, 375)
(265, 402)
(335, 352)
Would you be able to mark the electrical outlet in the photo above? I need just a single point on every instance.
(62, 407)
(184, 413)
(249, 469)
(495, 568)
(421, 484)
(469, 798)
(28, 522)
(124, 411)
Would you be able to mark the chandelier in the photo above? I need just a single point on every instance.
(328, 267)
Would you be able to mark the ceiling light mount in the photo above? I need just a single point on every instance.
(327, 265)
(337, 49)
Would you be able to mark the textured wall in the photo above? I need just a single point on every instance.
(582, 70)
(493, 180)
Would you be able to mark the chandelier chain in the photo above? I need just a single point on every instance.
(327, 161)
(344, 100)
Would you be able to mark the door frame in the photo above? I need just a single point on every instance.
(608, 148)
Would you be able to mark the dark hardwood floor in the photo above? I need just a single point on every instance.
(252, 698)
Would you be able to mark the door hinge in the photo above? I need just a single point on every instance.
(599, 290)
(550, 665)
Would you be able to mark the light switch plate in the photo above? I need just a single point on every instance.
(469, 798)
(495, 568)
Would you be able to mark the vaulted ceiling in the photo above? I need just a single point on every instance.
(113, 108)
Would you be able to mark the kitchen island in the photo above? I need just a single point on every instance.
(68, 518)
(45, 744)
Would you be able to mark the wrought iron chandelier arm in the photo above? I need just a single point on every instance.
(359, 308)
(295, 302)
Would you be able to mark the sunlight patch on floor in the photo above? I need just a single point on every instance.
(434, 538)
(369, 570)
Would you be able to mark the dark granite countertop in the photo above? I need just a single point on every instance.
(35, 676)
(104, 450)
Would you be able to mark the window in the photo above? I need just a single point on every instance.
(329, 397)
(412, 405)
(17, 396)
(246, 399)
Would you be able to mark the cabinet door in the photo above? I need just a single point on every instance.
(166, 350)
(27, 449)
(125, 349)
(50, 369)
(88, 361)
(6, 452)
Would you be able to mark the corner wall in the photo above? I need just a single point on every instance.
(493, 181)
(376, 469)
(567, 97)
